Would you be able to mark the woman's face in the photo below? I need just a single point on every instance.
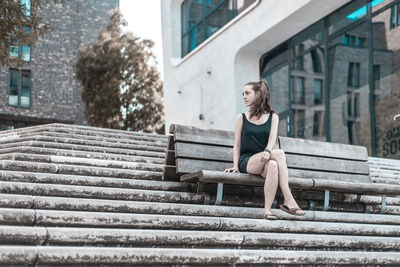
(249, 96)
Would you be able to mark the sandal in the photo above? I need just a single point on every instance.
(270, 217)
(292, 211)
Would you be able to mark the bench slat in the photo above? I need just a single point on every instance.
(323, 149)
(211, 140)
(185, 165)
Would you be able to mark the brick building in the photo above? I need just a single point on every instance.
(45, 90)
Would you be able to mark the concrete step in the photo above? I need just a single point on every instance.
(87, 130)
(385, 173)
(83, 138)
(117, 256)
(57, 218)
(83, 162)
(394, 181)
(67, 179)
(85, 142)
(99, 192)
(142, 207)
(123, 139)
(25, 166)
(80, 154)
(69, 236)
(85, 148)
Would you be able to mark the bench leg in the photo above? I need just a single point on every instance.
(312, 205)
(199, 188)
(326, 201)
(220, 189)
(206, 198)
(383, 207)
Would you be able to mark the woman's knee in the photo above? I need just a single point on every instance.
(278, 154)
(272, 166)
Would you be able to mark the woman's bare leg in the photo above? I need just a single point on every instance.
(270, 173)
(280, 157)
(268, 170)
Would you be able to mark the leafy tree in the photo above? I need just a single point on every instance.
(121, 85)
(20, 25)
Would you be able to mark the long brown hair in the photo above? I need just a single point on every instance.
(261, 105)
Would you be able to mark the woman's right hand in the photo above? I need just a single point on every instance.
(233, 169)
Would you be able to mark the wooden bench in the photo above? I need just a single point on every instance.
(198, 155)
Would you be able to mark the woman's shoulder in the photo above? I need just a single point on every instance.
(275, 116)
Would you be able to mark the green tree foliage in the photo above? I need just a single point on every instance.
(15, 18)
(121, 85)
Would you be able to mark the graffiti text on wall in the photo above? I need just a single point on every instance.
(391, 142)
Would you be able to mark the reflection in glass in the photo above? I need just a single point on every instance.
(26, 7)
(202, 18)
(26, 53)
(386, 77)
(13, 90)
(25, 89)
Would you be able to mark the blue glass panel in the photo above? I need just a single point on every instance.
(25, 89)
(26, 7)
(13, 90)
(14, 51)
(26, 53)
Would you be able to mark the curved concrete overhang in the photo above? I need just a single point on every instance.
(287, 19)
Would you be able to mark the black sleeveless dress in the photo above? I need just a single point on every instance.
(254, 139)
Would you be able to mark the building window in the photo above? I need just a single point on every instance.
(300, 60)
(317, 92)
(202, 18)
(317, 122)
(19, 51)
(26, 6)
(352, 40)
(316, 61)
(346, 40)
(377, 76)
(361, 41)
(353, 78)
(393, 17)
(398, 14)
(349, 105)
(297, 90)
(356, 105)
(19, 88)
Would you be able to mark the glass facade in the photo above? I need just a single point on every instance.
(202, 18)
(339, 79)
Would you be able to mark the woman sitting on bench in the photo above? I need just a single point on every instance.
(256, 132)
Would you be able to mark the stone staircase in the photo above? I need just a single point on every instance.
(77, 195)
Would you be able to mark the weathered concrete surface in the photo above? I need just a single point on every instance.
(152, 141)
(17, 216)
(88, 142)
(82, 161)
(78, 170)
(155, 221)
(80, 154)
(101, 205)
(50, 178)
(87, 255)
(99, 192)
(91, 131)
(86, 148)
(22, 235)
(172, 238)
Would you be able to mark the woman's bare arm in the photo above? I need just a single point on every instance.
(274, 131)
(236, 144)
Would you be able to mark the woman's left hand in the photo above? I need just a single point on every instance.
(265, 156)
